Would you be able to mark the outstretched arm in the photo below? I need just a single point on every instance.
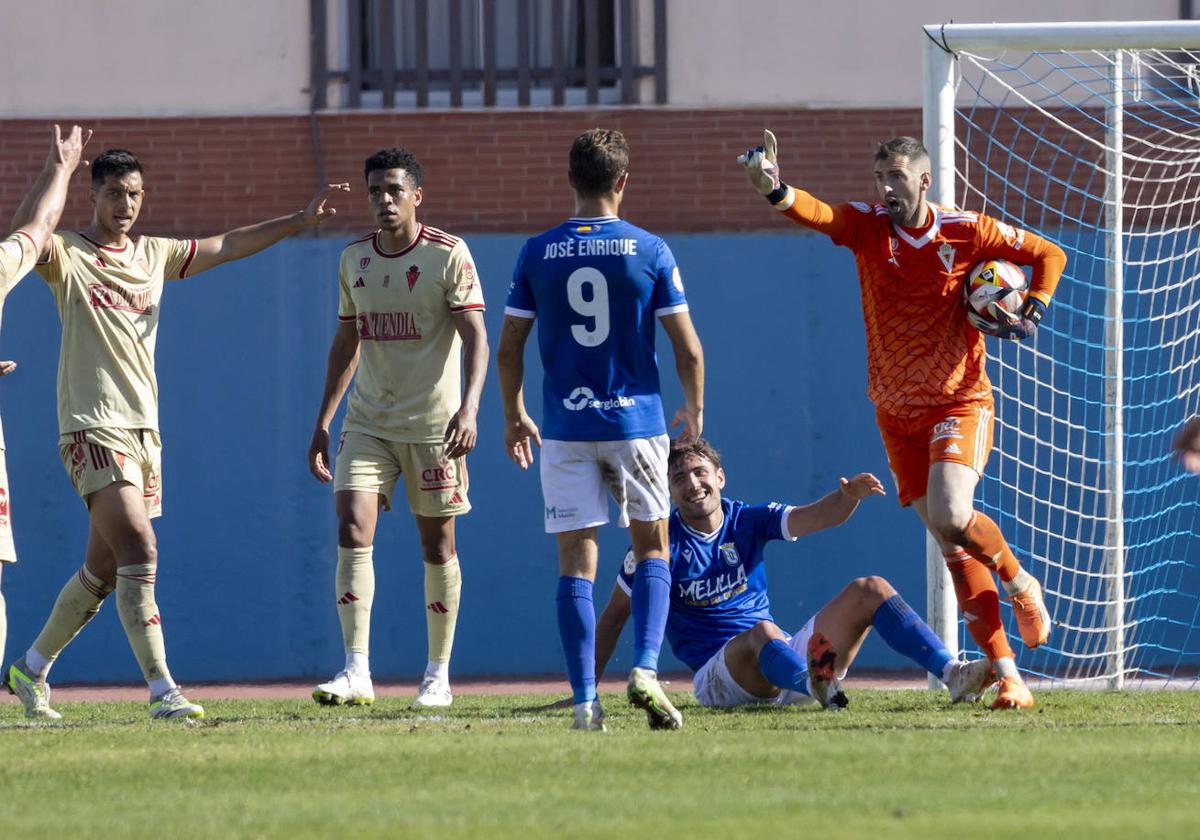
(689, 366)
(762, 166)
(461, 432)
(244, 241)
(343, 361)
(42, 207)
(835, 508)
(520, 432)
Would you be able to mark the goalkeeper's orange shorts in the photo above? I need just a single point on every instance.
(961, 434)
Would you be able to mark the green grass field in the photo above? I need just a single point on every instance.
(896, 764)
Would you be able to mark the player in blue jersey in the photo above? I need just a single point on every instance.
(720, 622)
(596, 285)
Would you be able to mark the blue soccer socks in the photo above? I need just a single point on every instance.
(906, 633)
(577, 628)
(650, 600)
(783, 667)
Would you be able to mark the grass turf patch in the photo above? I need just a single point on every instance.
(904, 762)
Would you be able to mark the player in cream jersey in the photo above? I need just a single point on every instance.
(409, 304)
(403, 305)
(108, 286)
(41, 208)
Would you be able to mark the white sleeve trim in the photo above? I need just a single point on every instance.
(670, 310)
(783, 528)
(788, 201)
(519, 313)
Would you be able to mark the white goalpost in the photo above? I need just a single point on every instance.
(1088, 134)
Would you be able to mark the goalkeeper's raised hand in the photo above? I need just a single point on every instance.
(762, 164)
(1021, 326)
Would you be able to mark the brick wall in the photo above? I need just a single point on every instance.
(499, 171)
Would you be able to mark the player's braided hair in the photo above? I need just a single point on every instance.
(395, 158)
(701, 449)
(118, 162)
(598, 158)
(909, 147)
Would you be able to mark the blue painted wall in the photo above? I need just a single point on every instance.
(247, 542)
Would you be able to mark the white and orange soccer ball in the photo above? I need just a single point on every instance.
(994, 285)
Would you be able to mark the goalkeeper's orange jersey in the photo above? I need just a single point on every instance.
(921, 350)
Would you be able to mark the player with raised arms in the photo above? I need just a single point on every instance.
(43, 205)
(410, 311)
(108, 285)
(721, 624)
(925, 368)
(596, 285)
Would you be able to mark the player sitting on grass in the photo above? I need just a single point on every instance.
(720, 621)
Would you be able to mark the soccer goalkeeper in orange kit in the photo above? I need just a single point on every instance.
(925, 369)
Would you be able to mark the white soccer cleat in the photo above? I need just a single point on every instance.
(968, 680)
(433, 694)
(174, 706)
(346, 689)
(589, 717)
(645, 692)
(33, 693)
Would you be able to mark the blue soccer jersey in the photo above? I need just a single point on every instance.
(718, 581)
(596, 287)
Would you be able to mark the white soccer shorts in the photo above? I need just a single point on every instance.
(715, 687)
(578, 476)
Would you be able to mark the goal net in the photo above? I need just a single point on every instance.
(1089, 135)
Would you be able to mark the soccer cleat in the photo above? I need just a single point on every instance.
(433, 694)
(33, 693)
(823, 685)
(345, 689)
(968, 680)
(1014, 694)
(589, 716)
(645, 692)
(1032, 618)
(173, 705)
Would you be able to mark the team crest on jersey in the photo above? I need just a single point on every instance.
(729, 554)
(411, 275)
(946, 255)
(893, 247)
(363, 263)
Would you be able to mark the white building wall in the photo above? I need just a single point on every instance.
(167, 57)
(847, 53)
(153, 57)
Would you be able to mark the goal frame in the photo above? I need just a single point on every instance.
(940, 43)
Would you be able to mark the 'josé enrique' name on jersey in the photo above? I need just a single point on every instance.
(591, 248)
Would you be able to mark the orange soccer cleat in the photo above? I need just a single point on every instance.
(1014, 694)
(1032, 618)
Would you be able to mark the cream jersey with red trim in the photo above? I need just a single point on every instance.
(409, 379)
(17, 257)
(108, 300)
